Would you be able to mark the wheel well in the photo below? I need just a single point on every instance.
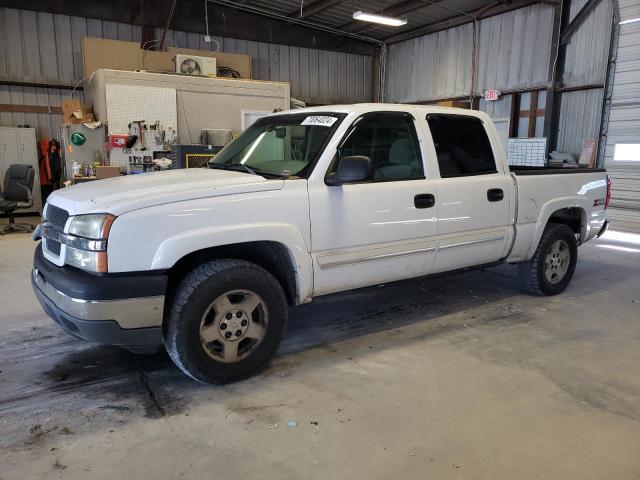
(274, 257)
(572, 217)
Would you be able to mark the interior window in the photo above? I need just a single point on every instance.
(390, 140)
(462, 145)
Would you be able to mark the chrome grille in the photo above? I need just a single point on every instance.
(57, 217)
(53, 246)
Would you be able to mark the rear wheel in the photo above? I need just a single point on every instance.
(226, 321)
(551, 268)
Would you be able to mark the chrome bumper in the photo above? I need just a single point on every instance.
(128, 313)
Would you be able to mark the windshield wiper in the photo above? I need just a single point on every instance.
(231, 166)
(252, 171)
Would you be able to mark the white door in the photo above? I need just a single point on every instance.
(8, 150)
(28, 152)
(473, 194)
(380, 231)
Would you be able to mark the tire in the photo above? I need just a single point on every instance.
(551, 268)
(213, 332)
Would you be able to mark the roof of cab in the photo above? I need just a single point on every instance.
(368, 107)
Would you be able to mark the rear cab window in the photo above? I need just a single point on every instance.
(462, 145)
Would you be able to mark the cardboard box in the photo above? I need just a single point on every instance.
(73, 112)
(589, 153)
(70, 106)
(107, 172)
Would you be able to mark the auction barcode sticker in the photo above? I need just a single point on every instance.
(319, 120)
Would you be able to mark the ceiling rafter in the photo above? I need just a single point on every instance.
(314, 8)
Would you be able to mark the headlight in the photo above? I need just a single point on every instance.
(87, 241)
(94, 226)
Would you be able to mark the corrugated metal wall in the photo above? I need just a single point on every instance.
(624, 122)
(430, 67)
(513, 53)
(46, 48)
(585, 64)
(580, 115)
(586, 53)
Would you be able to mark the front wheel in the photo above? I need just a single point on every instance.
(551, 268)
(226, 321)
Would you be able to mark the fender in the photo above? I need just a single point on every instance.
(176, 247)
(574, 201)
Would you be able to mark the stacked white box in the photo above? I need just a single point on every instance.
(529, 152)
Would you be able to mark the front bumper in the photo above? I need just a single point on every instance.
(100, 308)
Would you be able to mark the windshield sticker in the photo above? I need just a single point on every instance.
(319, 120)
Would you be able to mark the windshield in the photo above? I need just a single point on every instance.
(280, 145)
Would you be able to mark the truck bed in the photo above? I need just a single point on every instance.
(524, 170)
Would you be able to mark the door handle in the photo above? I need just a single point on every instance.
(495, 194)
(424, 200)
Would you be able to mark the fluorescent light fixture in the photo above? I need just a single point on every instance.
(381, 19)
(631, 20)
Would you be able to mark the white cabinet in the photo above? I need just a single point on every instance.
(18, 145)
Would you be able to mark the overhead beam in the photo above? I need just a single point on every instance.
(224, 21)
(14, 108)
(314, 8)
(457, 20)
(578, 20)
(168, 23)
(556, 72)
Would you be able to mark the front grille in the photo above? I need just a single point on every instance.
(53, 246)
(57, 217)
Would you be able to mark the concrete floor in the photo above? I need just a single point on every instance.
(453, 377)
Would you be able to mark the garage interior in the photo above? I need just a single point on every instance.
(453, 376)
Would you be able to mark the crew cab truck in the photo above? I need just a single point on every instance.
(304, 203)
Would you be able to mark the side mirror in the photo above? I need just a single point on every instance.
(353, 169)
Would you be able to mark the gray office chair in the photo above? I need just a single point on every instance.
(18, 187)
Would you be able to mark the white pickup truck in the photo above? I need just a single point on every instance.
(304, 203)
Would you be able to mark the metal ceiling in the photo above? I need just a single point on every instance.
(338, 14)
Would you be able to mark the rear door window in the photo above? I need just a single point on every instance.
(462, 145)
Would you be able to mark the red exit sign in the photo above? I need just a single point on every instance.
(491, 95)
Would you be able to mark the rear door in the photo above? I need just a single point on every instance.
(473, 193)
(380, 231)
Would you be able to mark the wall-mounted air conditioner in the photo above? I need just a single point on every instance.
(195, 65)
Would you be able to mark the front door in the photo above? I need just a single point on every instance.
(380, 231)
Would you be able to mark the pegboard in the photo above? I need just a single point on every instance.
(527, 151)
(128, 103)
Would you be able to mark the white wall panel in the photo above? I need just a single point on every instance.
(624, 122)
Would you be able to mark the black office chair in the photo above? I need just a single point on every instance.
(18, 187)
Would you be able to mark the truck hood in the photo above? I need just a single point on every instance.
(132, 192)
